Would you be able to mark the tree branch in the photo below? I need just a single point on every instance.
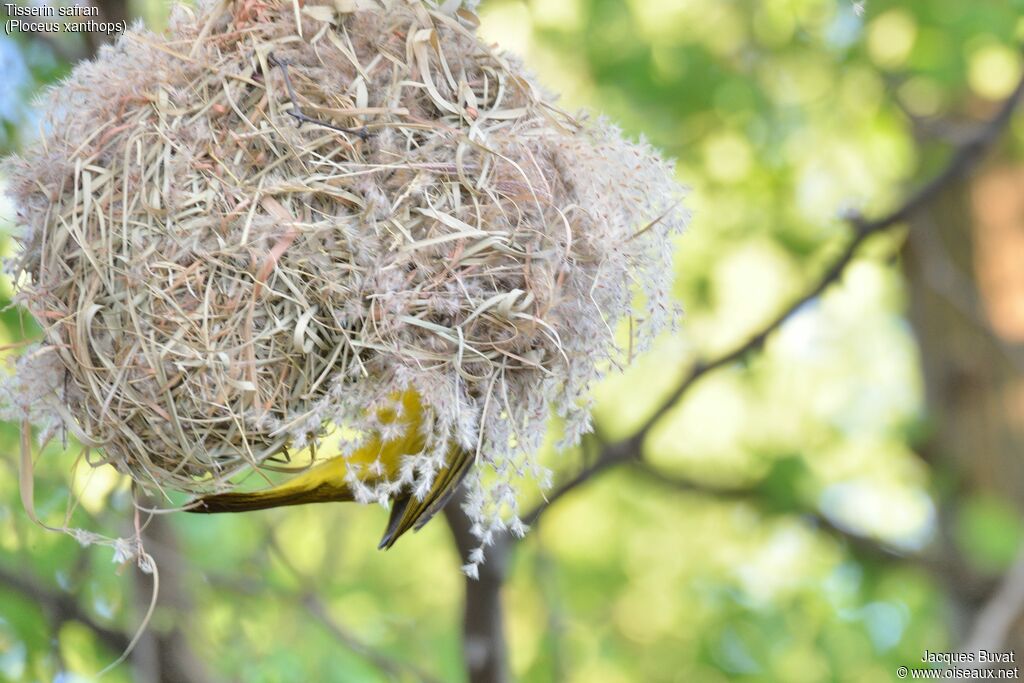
(1001, 611)
(397, 670)
(609, 456)
(315, 606)
(483, 641)
(62, 607)
(859, 543)
(965, 157)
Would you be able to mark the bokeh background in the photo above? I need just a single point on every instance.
(843, 498)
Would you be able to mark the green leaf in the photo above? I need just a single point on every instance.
(988, 531)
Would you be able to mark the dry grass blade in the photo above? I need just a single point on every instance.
(265, 222)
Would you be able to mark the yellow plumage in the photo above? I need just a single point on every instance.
(375, 461)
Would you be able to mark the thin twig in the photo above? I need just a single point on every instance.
(952, 569)
(296, 111)
(859, 543)
(398, 670)
(610, 455)
(316, 608)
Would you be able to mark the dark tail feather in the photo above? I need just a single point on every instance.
(407, 512)
(398, 508)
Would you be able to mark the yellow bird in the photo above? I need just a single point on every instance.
(326, 482)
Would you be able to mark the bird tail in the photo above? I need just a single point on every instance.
(409, 513)
(311, 487)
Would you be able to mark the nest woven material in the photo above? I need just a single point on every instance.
(268, 221)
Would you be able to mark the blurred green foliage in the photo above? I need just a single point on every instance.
(782, 114)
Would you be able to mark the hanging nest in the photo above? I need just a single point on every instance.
(272, 218)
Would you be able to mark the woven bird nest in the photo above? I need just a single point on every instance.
(269, 220)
